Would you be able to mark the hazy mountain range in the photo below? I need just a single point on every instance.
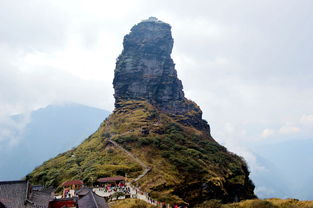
(50, 131)
(288, 169)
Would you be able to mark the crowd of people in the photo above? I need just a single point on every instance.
(112, 188)
(133, 192)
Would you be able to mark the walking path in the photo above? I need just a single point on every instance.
(135, 192)
(146, 169)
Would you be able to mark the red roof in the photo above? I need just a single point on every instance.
(110, 179)
(74, 182)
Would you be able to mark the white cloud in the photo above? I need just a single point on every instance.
(294, 128)
(288, 129)
(306, 119)
(11, 129)
(267, 132)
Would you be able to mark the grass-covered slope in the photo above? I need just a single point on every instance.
(257, 203)
(187, 165)
(92, 159)
(130, 203)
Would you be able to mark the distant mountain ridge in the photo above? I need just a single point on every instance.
(288, 169)
(51, 130)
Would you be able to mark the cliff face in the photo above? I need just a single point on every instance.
(158, 126)
(146, 71)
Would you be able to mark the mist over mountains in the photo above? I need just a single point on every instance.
(50, 130)
(288, 169)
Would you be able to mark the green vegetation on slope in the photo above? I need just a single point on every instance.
(92, 159)
(188, 166)
(257, 203)
(130, 203)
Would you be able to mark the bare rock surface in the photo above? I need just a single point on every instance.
(146, 71)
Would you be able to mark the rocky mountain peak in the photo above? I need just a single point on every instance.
(155, 135)
(151, 37)
(145, 69)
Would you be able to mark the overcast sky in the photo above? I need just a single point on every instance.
(248, 64)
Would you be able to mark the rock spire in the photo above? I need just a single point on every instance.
(146, 71)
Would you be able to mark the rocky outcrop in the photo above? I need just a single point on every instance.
(146, 71)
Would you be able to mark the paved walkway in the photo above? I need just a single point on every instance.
(134, 193)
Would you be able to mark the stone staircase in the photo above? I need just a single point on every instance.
(145, 167)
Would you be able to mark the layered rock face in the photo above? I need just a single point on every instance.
(146, 71)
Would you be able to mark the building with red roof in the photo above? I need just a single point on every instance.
(115, 179)
(69, 187)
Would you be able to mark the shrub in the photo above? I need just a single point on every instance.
(210, 204)
(139, 204)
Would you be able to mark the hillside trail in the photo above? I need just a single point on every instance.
(134, 190)
(146, 169)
